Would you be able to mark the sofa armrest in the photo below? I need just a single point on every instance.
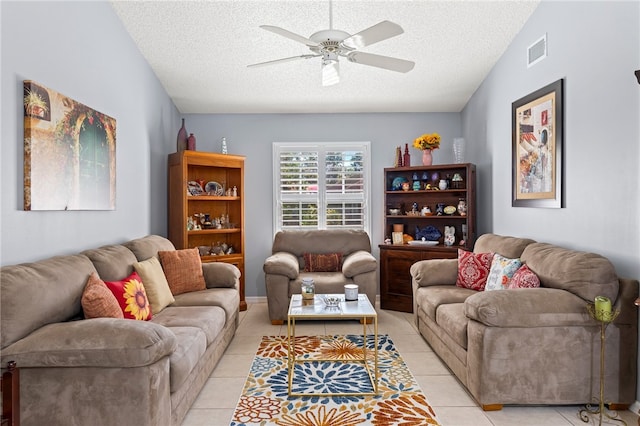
(99, 342)
(527, 307)
(282, 263)
(434, 272)
(358, 262)
(220, 274)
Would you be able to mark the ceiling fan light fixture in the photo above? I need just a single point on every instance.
(330, 72)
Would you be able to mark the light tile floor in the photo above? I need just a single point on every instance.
(451, 402)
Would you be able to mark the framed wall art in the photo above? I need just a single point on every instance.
(69, 153)
(537, 148)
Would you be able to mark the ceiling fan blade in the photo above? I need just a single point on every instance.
(386, 62)
(289, 35)
(278, 61)
(380, 31)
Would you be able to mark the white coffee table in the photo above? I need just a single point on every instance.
(316, 309)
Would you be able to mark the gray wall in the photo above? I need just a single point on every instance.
(252, 135)
(81, 50)
(595, 47)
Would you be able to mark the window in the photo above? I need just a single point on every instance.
(322, 185)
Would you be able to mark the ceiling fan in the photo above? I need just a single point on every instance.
(332, 44)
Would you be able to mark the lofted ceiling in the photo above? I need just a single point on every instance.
(200, 51)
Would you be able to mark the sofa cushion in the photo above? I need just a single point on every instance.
(524, 278)
(52, 295)
(322, 262)
(149, 246)
(501, 272)
(99, 342)
(343, 241)
(183, 269)
(98, 301)
(511, 247)
(325, 282)
(155, 284)
(131, 297)
(226, 298)
(191, 346)
(586, 275)
(453, 321)
(473, 269)
(431, 297)
(544, 307)
(113, 262)
(209, 319)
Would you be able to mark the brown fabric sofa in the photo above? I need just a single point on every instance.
(284, 269)
(107, 371)
(531, 346)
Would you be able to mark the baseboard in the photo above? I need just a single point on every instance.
(263, 299)
(256, 299)
(635, 407)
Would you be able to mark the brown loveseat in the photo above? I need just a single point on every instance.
(108, 371)
(284, 269)
(531, 345)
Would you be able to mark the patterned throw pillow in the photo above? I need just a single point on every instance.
(155, 284)
(524, 278)
(473, 269)
(131, 297)
(326, 262)
(98, 301)
(183, 269)
(501, 272)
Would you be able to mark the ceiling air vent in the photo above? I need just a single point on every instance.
(537, 51)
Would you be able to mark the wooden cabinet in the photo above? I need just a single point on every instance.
(395, 280)
(218, 173)
(396, 260)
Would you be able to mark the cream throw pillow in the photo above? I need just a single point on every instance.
(155, 284)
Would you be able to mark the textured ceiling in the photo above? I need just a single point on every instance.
(200, 51)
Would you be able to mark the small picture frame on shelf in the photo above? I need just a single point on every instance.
(396, 238)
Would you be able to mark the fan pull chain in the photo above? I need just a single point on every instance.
(330, 14)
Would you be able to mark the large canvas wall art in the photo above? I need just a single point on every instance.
(69, 153)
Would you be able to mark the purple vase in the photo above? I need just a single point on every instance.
(182, 138)
(191, 142)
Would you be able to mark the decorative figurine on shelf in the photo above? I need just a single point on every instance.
(405, 186)
(416, 183)
(406, 159)
(443, 184)
(235, 191)
(462, 207)
(224, 145)
(426, 211)
(414, 208)
(449, 235)
(439, 209)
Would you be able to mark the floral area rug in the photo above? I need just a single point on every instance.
(265, 399)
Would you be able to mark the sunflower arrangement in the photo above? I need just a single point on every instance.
(427, 141)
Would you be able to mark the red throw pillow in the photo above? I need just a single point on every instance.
(98, 301)
(524, 278)
(473, 269)
(131, 297)
(183, 269)
(324, 262)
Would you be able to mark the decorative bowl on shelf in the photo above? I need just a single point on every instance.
(394, 212)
